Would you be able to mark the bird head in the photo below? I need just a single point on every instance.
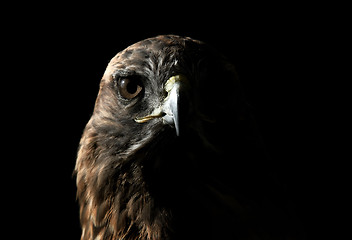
(163, 83)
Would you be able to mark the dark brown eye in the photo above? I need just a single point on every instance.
(129, 87)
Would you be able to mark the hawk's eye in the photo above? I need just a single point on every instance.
(129, 87)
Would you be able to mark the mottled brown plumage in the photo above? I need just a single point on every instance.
(138, 179)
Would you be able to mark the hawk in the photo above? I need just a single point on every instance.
(171, 151)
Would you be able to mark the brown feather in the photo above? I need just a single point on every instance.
(140, 181)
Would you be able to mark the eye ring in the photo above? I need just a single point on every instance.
(129, 87)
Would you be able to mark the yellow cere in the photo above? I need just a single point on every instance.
(172, 80)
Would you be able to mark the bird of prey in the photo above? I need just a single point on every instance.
(171, 151)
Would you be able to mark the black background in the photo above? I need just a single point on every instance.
(283, 58)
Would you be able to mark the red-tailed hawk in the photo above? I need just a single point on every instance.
(171, 151)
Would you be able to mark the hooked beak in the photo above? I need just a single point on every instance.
(170, 110)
